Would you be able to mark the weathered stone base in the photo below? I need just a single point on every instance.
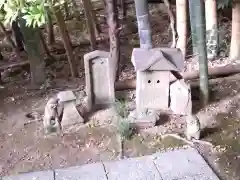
(147, 121)
(71, 115)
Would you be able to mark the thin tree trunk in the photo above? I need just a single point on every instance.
(66, 41)
(50, 31)
(18, 36)
(66, 10)
(193, 31)
(76, 10)
(10, 41)
(33, 47)
(181, 16)
(235, 39)
(211, 28)
(44, 46)
(111, 7)
(196, 8)
(123, 9)
(144, 28)
(172, 23)
(1, 57)
(90, 22)
(97, 27)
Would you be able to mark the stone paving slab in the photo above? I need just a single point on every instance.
(87, 172)
(183, 164)
(132, 169)
(41, 175)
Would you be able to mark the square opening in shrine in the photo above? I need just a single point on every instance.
(98, 76)
(154, 68)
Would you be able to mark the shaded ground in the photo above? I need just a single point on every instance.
(25, 148)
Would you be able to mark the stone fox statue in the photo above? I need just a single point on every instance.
(53, 115)
(193, 127)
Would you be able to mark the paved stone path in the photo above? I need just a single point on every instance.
(182, 164)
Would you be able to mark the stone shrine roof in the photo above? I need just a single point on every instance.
(158, 59)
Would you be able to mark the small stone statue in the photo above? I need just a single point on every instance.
(193, 128)
(52, 115)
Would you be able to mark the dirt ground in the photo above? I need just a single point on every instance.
(24, 147)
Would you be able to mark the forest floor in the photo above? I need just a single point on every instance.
(24, 148)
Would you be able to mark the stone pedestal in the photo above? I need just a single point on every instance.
(147, 120)
(71, 115)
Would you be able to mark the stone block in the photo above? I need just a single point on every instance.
(99, 79)
(146, 121)
(182, 163)
(41, 175)
(71, 115)
(141, 168)
(152, 90)
(87, 172)
(66, 96)
(180, 98)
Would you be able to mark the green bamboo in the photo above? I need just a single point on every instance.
(144, 27)
(196, 9)
(192, 15)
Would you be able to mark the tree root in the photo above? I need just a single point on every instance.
(35, 116)
(191, 143)
(33, 121)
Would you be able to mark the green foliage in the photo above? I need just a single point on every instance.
(123, 125)
(124, 129)
(221, 4)
(33, 11)
(121, 108)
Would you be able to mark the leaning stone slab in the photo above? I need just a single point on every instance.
(87, 172)
(99, 79)
(41, 175)
(71, 115)
(66, 96)
(132, 169)
(180, 98)
(183, 163)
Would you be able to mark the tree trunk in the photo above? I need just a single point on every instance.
(97, 27)
(144, 28)
(196, 8)
(66, 42)
(172, 23)
(90, 23)
(123, 8)
(50, 31)
(235, 39)
(66, 10)
(1, 56)
(211, 28)
(18, 36)
(192, 75)
(181, 18)
(33, 47)
(112, 21)
(10, 41)
(193, 29)
(44, 46)
(75, 10)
